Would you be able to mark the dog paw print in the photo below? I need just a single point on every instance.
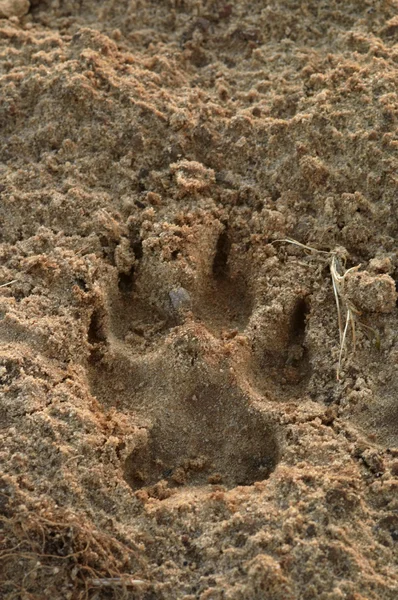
(189, 346)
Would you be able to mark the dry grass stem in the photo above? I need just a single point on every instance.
(338, 275)
(300, 245)
(8, 283)
(117, 582)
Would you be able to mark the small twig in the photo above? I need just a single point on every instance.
(75, 457)
(117, 581)
(295, 243)
(8, 283)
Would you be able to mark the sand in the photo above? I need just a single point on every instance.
(172, 425)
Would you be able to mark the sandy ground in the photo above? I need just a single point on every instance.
(172, 424)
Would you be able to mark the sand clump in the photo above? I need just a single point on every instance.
(14, 8)
(371, 293)
(171, 423)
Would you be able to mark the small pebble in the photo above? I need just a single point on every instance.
(180, 299)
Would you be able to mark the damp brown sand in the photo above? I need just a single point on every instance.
(171, 422)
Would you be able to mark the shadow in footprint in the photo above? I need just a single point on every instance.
(280, 357)
(220, 263)
(213, 435)
(96, 335)
(296, 355)
(226, 302)
(126, 281)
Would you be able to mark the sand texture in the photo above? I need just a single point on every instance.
(171, 421)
